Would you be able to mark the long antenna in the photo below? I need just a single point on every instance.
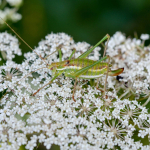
(24, 41)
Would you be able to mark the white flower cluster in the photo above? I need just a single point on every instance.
(15, 3)
(134, 56)
(9, 46)
(10, 14)
(52, 117)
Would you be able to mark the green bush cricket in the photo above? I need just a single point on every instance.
(80, 67)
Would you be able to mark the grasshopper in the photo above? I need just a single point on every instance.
(80, 67)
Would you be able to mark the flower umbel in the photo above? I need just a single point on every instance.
(93, 121)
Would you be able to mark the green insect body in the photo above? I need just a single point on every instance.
(80, 67)
(70, 67)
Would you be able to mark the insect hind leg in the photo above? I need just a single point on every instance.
(104, 91)
(106, 77)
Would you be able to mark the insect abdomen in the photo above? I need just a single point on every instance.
(72, 66)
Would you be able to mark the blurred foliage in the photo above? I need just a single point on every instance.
(84, 20)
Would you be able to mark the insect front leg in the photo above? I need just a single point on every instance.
(60, 55)
(73, 52)
(48, 83)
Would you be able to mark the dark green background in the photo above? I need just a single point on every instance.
(84, 20)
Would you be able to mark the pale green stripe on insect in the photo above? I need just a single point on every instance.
(77, 68)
